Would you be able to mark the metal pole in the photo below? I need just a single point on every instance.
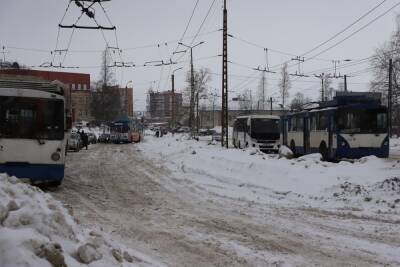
(224, 111)
(173, 101)
(390, 97)
(345, 83)
(197, 112)
(191, 115)
(270, 101)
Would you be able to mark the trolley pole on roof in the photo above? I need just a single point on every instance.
(224, 110)
(390, 96)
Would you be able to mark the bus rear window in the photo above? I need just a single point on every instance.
(362, 121)
(31, 118)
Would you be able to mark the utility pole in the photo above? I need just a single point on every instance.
(322, 77)
(173, 97)
(191, 111)
(270, 101)
(224, 110)
(197, 112)
(390, 96)
(345, 83)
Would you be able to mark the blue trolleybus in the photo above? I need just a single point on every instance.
(32, 131)
(352, 125)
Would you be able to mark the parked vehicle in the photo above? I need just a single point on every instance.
(259, 131)
(183, 129)
(33, 130)
(352, 125)
(104, 138)
(92, 138)
(75, 142)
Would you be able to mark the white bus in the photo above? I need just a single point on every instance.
(259, 131)
(32, 131)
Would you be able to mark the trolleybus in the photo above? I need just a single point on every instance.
(352, 125)
(32, 131)
(126, 130)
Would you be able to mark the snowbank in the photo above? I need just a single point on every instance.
(36, 230)
(305, 181)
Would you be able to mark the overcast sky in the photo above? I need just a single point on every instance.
(149, 31)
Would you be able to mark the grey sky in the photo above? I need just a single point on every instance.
(290, 26)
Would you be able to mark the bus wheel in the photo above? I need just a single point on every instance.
(293, 147)
(323, 150)
(239, 146)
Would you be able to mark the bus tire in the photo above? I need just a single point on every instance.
(323, 150)
(239, 146)
(293, 147)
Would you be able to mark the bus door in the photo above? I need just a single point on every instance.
(284, 126)
(306, 135)
(330, 134)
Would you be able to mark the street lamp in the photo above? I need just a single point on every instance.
(191, 113)
(173, 97)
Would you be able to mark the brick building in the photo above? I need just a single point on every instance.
(78, 92)
(77, 87)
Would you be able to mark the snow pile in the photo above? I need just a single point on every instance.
(35, 230)
(257, 177)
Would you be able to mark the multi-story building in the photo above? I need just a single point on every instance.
(160, 104)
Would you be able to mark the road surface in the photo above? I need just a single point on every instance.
(142, 204)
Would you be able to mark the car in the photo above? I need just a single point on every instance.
(104, 138)
(183, 129)
(74, 142)
(216, 137)
(92, 138)
(206, 132)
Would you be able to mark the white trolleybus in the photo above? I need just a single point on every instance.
(126, 130)
(32, 131)
(352, 125)
(259, 131)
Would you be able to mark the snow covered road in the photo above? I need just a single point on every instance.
(186, 216)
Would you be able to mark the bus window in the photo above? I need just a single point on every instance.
(322, 123)
(362, 121)
(313, 124)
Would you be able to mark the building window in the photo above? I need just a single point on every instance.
(79, 86)
(73, 86)
(84, 87)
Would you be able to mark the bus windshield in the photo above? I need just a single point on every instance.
(31, 118)
(264, 128)
(120, 128)
(362, 121)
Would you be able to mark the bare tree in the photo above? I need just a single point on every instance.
(380, 65)
(245, 100)
(299, 101)
(201, 79)
(328, 90)
(106, 99)
(284, 84)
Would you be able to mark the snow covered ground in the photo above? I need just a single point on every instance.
(179, 202)
(36, 230)
(368, 187)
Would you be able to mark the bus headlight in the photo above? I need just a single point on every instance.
(55, 156)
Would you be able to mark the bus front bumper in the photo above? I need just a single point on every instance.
(36, 173)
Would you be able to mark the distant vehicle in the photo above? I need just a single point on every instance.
(33, 130)
(183, 129)
(126, 130)
(104, 138)
(206, 132)
(216, 137)
(259, 131)
(92, 138)
(352, 125)
(74, 142)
